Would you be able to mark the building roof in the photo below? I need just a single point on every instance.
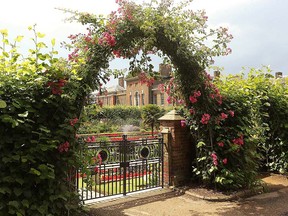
(115, 88)
(112, 89)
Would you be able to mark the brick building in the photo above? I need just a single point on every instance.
(115, 95)
(136, 93)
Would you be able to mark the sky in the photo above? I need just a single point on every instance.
(258, 26)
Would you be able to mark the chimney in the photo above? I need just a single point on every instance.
(278, 75)
(165, 69)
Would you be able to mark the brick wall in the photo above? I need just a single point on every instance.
(134, 85)
(177, 152)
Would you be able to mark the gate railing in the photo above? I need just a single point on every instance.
(121, 167)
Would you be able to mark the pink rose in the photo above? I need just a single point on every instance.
(220, 144)
(231, 113)
(223, 116)
(183, 123)
(193, 99)
(205, 118)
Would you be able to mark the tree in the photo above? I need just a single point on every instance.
(150, 115)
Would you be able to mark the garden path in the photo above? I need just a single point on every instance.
(166, 202)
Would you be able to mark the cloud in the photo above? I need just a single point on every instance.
(21, 14)
(258, 26)
(213, 7)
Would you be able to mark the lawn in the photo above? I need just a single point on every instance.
(107, 188)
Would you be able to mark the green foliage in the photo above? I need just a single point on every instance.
(115, 118)
(41, 98)
(113, 112)
(108, 119)
(227, 126)
(268, 99)
(258, 103)
(150, 115)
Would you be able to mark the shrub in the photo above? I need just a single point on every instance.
(112, 112)
(150, 115)
(257, 103)
(225, 144)
(109, 119)
(41, 98)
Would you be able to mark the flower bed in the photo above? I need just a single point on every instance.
(108, 178)
(114, 137)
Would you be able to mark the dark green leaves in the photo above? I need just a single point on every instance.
(33, 122)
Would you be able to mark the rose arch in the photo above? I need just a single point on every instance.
(182, 38)
(42, 97)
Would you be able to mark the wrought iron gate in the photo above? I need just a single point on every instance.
(121, 167)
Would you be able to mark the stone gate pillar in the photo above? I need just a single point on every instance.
(177, 156)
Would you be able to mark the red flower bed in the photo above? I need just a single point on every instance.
(130, 138)
(107, 178)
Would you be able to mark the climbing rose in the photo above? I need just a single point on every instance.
(219, 99)
(214, 158)
(197, 94)
(56, 91)
(239, 140)
(183, 123)
(161, 87)
(73, 121)
(144, 79)
(117, 53)
(223, 116)
(56, 87)
(220, 144)
(169, 100)
(193, 99)
(107, 39)
(205, 118)
(231, 113)
(225, 160)
(64, 147)
(180, 101)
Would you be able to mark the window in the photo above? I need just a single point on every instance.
(137, 99)
(154, 98)
(162, 98)
(143, 99)
(130, 99)
(116, 100)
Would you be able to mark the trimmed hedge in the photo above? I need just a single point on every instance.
(111, 112)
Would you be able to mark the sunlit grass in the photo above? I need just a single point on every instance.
(106, 188)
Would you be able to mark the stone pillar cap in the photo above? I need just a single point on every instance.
(172, 116)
